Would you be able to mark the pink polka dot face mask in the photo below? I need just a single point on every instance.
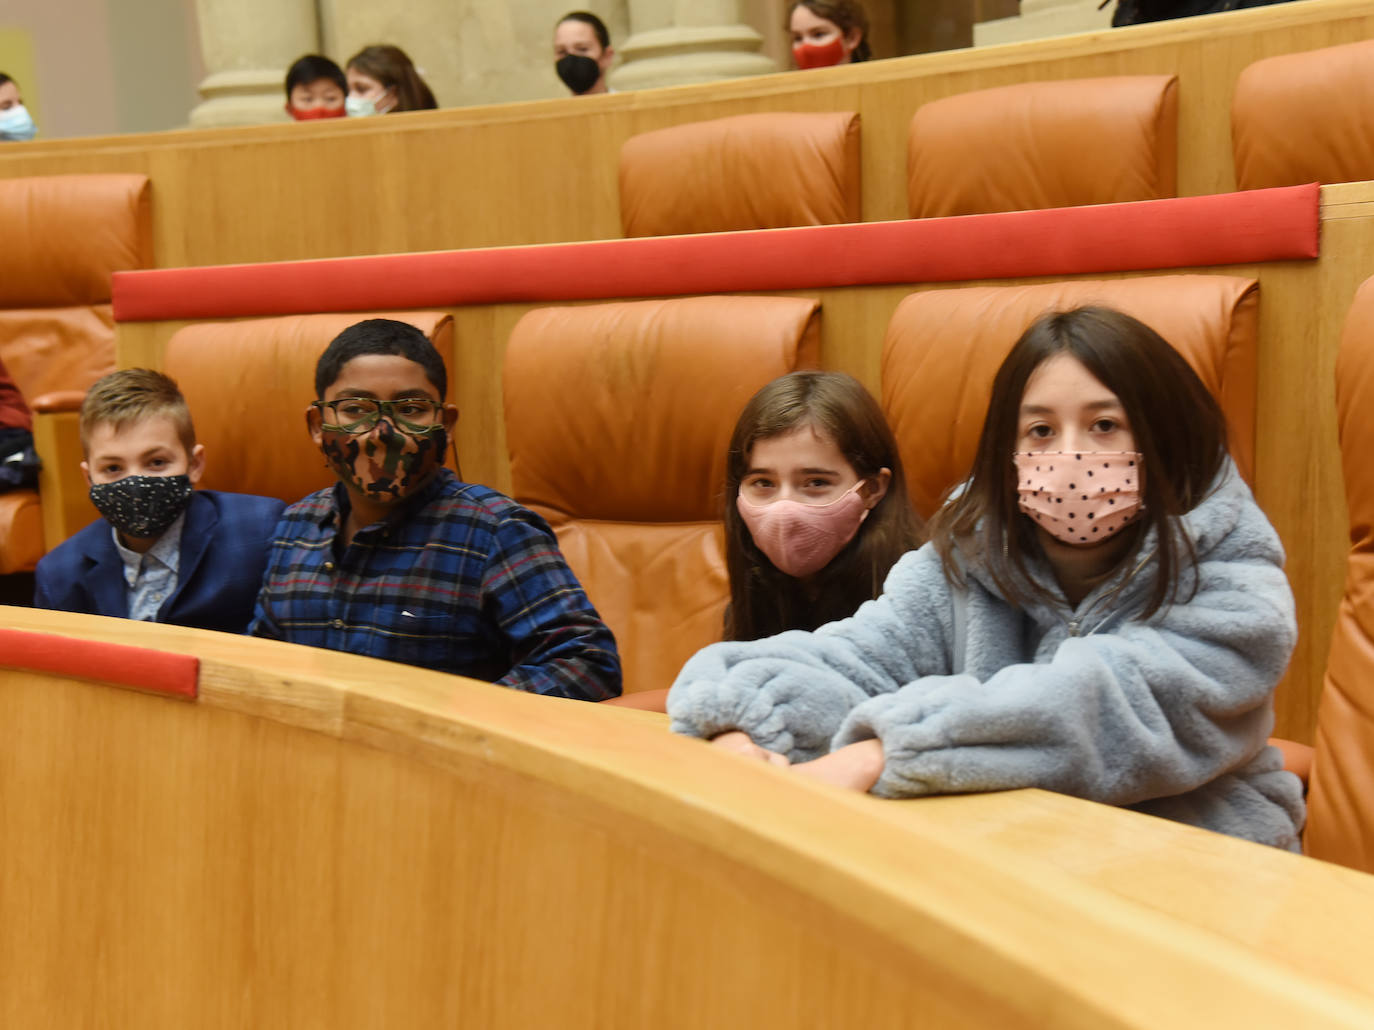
(1079, 497)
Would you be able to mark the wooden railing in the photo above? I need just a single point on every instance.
(324, 840)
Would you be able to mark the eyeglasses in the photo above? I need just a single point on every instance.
(357, 415)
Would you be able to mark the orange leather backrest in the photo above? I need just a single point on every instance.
(1305, 117)
(617, 418)
(51, 349)
(1340, 799)
(1045, 144)
(943, 348)
(248, 385)
(61, 238)
(66, 234)
(749, 171)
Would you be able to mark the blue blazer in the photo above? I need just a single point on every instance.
(224, 543)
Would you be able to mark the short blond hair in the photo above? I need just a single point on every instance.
(132, 394)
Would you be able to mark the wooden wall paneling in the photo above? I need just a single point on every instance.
(545, 171)
(325, 839)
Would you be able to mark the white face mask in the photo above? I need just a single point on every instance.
(17, 124)
(360, 107)
(366, 107)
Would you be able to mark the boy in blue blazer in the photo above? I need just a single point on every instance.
(164, 551)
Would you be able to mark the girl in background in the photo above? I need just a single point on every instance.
(828, 32)
(816, 507)
(1101, 611)
(383, 80)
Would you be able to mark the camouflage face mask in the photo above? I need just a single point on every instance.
(385, 465)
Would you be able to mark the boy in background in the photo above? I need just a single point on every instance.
(164, 552)
(315, 88)
(403, 561)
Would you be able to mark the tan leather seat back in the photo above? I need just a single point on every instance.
(63, 237)
(749, 171)
(248, 384)
(943, 349)
(1305, 117)
(617, 418)
(1045, 144)
(1340, 798)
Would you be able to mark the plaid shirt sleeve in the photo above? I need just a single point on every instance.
(558, 643)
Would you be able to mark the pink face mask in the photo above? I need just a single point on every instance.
(801, 539)
(1079, 497)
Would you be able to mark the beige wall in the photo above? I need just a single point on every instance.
(469, 51)
(108, 66)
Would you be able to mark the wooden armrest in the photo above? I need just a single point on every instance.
(644, 700)
(58, 400)
(61, 486)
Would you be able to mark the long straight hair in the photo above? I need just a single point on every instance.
(1178, 427)
(763, 599)
(393, 68)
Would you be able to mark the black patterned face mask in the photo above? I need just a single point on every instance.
(142, 506)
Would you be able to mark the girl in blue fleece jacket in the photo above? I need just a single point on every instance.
(1101, 611)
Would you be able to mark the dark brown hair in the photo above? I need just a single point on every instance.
(390, 66)
(1178, 428)
(847, 16)
(765, 600)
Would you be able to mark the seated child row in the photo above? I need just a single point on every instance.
(1101, 607)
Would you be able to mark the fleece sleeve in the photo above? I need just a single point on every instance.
(791, 692)
(1151, 709)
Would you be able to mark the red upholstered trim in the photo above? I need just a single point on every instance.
(120, 664)
(1188, 232)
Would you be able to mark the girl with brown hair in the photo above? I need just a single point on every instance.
(828, 32)
(1101, 611)
(383, 80)
(816, 509)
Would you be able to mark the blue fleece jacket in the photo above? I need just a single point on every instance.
(1169, 715)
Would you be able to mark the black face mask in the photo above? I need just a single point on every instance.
(579, 73)
(142, 506)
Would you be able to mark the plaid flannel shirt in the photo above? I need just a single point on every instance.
(460, 579)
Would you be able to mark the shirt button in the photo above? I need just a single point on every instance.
(329, 566)
(338, 624)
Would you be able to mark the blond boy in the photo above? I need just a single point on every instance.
(163, 551)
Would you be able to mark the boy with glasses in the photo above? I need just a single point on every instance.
(401, 560)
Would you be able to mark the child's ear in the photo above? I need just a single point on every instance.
(86, 471)
(877, 487)
(195, 468)
(312, 424)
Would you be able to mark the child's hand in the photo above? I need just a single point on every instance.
(739, 742)
(855, 766)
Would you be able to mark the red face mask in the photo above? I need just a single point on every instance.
(808, 56)
(314, 114)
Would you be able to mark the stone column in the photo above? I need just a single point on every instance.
(677, 42)
(247, 46)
